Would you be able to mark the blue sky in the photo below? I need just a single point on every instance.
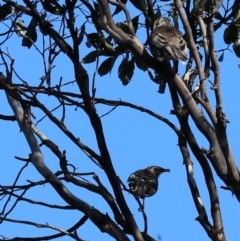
(135, 140)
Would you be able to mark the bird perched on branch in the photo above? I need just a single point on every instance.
(144, 182)
(166, 41)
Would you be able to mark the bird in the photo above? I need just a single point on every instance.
(144, 182)
(166, 41)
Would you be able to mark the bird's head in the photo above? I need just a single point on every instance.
(162, 21)
(157, 171)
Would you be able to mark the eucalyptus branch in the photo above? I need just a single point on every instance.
(215, 65)
(89, 152)
(206, 53)
(213, 194)
(202, 218)
(59, 34)
(37, 160)
(127, 14)
(209, 111)
(140, 108)
(20, 198)
(191, 42)
(39, 225)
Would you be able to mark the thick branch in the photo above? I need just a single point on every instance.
(103, 222)
(182, 116)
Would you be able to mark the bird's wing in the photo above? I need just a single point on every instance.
(171, 40)
(143, 176)
(158, 39)
(135, 175)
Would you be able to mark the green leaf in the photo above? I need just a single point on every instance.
(81, 35)
(236, 18)
(52, 6)
(236, 48)
(94, 37)
(106, 66)
(20, 28)
(31, 34)
(109, 39)
(140, 64)
(135, 23)
(220, 59)
(173, 13)
(124, 27)
(175, 21)
(88, 43)
(157, 14)
(99, 42)
(162, 87)
(138, 4)
(105, 43)
(125, 71)
(195, 4)
(120, 49)
(218, 16)
(91, 57)
(108, 48)
(92, 40)
(101, 37)
(119, 9)
(26, 42)
(230, 34)
(5, 10)
(227, 36)
(96, 7)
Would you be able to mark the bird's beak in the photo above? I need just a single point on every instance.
(164, 170)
